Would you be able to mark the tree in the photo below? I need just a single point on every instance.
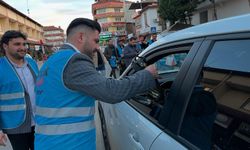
(177, 10)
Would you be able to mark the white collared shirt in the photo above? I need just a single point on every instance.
(28, 81)
(71, 45)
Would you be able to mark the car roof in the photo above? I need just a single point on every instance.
(223, 26)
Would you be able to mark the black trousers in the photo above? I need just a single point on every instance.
(23, 141)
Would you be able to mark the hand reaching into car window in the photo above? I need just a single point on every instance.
(152, 69)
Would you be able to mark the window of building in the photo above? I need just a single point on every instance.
(204, 17)
(54, 37)
(102, 20)
(105, 29)
(120, 28)
(101, 11)
(118, 18)
(146, 20)
(117, 9)
(52, 32)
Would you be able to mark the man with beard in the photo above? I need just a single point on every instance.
(68, 85)
(142, 44)
(153, 39)
(17, 95)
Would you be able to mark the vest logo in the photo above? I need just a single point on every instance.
(41, 75)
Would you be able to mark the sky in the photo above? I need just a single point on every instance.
(54, 12)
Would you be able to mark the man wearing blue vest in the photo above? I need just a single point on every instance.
(68, 85)
(153, 39)
(17, 95)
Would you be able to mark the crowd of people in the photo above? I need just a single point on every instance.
(119, 55)
(53, 108)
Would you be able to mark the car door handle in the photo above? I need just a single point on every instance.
(135, 141)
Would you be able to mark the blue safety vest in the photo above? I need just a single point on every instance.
(64, 118)
(112, 61)
(12, 94)
(119, 49)
(150, 42)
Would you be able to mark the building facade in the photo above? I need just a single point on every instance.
(147, 19)
(54, 36)
(218, 9)
(12, 19)
(113, 15)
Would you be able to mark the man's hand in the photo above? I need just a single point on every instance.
(152, 70)
(3, 139)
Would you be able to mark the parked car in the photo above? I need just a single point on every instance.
(202, 100)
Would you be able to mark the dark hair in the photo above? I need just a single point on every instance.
(121, 40)
(132, 38)
(83, 21)
(11, 34)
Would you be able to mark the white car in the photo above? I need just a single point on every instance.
(203, 96)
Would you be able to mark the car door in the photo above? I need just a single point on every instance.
(130, 124)
(222, 68)
(212, 106)
(128, 129)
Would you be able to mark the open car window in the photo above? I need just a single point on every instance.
(170, 63)
(151, 102)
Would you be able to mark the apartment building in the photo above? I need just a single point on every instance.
(12, 19)
(114, 17)
(110, 14)
(54, 36)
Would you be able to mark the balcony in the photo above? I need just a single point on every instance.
(109, 14)
(113, 24)
(101, 5)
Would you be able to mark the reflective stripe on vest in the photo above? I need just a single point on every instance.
(65, 112)
(65, 128)
(11, 96)
(12, 107)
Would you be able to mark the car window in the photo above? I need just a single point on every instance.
(230, 55)
(170, 63)
(218, 113)
(151, 102)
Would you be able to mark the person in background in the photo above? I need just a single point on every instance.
(153, 39)
(112, 55)
(142, 44)
(17, 96)
(68, 85)
(130, 51)
(120, 47)
(99, 61)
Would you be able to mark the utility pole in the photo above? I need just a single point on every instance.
(214, 9)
